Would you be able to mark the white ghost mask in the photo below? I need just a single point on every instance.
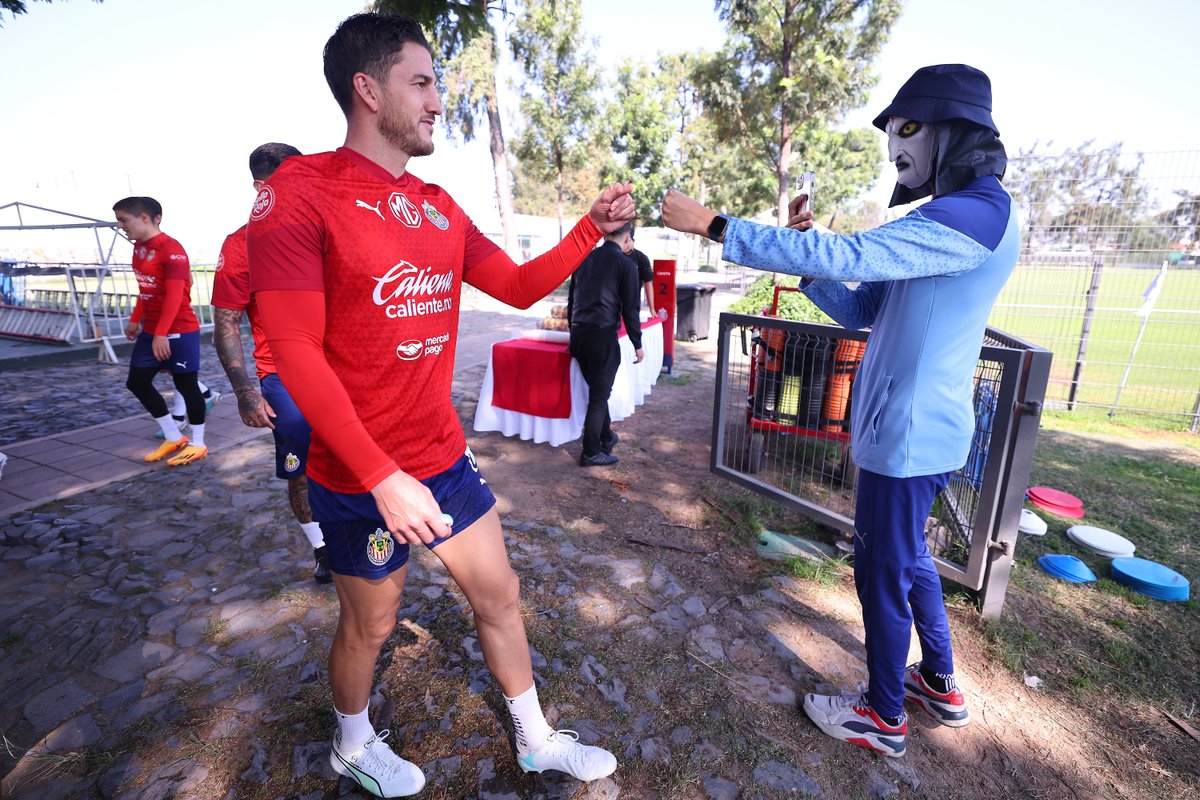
(912, 145)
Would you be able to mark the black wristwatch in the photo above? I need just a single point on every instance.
(716, 228)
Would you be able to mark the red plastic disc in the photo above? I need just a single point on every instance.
(1055, 497)
(1069, 512)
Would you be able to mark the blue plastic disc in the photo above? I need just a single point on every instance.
(1150, 578)
(1069, 568)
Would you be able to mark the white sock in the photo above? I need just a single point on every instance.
(179, 407)
(353, 730)
(313, 531)
(198, 434)
(203, 388)
(169, 428)
(528, 720)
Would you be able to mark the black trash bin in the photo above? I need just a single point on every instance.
(693, 307)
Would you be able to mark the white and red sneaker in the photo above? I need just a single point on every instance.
(948, 708)
(852, 720)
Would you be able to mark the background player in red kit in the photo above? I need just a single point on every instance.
(272, 407)
(357, 267)
(163, 327)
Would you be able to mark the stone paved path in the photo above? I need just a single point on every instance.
(162, 638)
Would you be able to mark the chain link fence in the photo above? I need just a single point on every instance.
(1109, 280)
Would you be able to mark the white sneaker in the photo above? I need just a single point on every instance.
(211, 400)
(182, 424)
(378, 769)
(562, 751)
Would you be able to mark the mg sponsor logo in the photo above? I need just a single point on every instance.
(263, 203)
(404, 210)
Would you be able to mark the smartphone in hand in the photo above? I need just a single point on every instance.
(804, 186)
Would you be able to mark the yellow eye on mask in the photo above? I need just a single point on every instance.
(912, 145)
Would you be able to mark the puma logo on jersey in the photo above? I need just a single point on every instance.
(375, 208)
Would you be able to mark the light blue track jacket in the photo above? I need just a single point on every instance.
(927, 282)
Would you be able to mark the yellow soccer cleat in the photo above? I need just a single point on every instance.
(166, 448)
(188, 454)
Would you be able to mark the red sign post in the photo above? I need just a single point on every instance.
(664, 300)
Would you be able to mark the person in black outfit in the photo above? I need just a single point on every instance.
(603, 291)
(645, 271)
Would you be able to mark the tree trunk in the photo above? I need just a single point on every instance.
(558, 187)
(785, 170)
(504, 192)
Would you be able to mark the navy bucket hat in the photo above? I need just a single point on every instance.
(943, 92)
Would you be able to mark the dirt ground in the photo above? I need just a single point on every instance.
(690, 725)
(662, 505)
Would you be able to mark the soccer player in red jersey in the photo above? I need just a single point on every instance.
(163, 327)
(271, 407)
(357, 268)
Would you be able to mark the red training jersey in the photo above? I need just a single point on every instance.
(156, 261)
(231, 290)
(389, 255)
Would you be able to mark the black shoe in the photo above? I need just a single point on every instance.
(321, 573)
(608, 444)
(598, 460)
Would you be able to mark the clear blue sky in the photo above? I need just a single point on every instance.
(167, 98)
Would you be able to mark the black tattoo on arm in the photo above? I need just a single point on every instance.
(298, 496)
(227, 338)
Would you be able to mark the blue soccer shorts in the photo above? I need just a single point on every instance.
(358, 544)
(185, 353)
(292, 431)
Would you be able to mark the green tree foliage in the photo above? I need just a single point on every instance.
(538, 196)
(793, 67)
(641, 132)
(792, 305)
(558, 94)
(1083, 198)
(16, 7)
(1184, 221)
(452, 23)
(466, 50)
(715, 172)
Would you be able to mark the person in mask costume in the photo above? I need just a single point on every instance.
(926, 283)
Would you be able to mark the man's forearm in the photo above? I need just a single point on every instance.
(227, 338)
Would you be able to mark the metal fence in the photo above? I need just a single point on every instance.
(781, 426)
(1109, 280)
(98, 297)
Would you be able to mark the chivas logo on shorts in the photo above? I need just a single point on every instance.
(404, 210)
(291, 462)
(380, 547)
(263, 203)
(434, 216)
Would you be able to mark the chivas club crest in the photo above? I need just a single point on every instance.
(380, 547)
(291, 462)
(437, 218)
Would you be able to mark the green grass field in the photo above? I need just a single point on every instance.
(1046, 305)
